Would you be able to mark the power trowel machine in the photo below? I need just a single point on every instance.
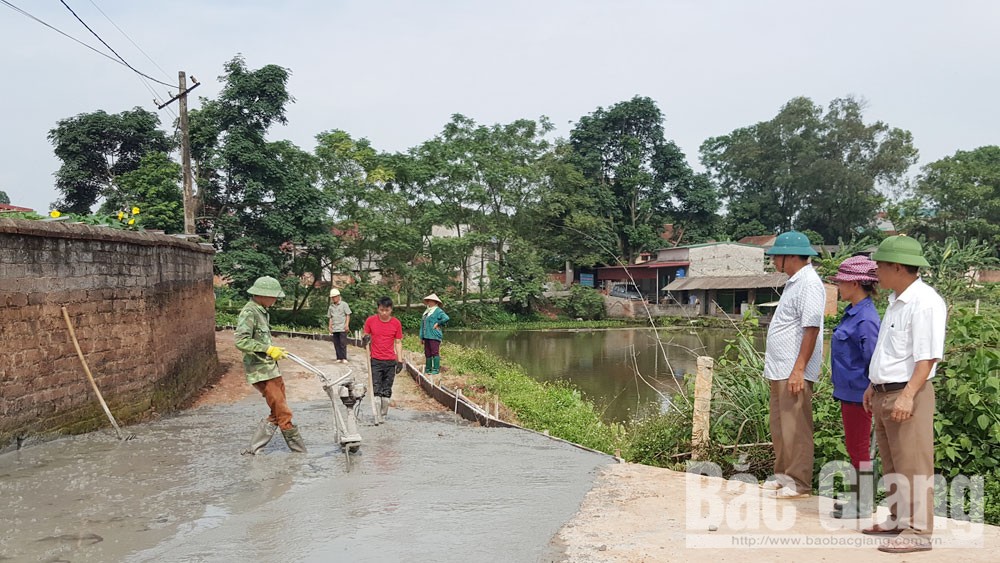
(348, 392)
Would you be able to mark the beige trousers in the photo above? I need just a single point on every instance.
(792, 435)
(907, 452)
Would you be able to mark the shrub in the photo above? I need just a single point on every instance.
(584, 303)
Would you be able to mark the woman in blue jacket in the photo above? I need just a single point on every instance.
(431, 324)
(851, 350)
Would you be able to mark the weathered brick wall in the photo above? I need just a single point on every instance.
(143, 309)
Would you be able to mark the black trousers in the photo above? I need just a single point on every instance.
(340, 344)
(383, 374)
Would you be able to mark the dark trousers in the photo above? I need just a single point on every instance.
(432, 348)
(340, 344)
(383, 374)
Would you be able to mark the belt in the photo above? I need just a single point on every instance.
(886, 387)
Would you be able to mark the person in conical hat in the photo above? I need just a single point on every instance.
(431, 324)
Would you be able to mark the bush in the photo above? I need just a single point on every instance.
(583, 303)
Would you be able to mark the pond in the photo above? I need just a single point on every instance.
(623, 371)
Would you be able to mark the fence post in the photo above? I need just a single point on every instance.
(702, 405)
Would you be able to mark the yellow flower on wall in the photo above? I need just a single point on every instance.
(135, 211)
(121, 215)
(54, 213)
(131, 221)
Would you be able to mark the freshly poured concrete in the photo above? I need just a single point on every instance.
(423, 489)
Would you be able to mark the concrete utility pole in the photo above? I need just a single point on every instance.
(181, 97)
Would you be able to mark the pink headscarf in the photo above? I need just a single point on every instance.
(856, 268)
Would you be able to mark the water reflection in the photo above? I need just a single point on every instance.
(606, 365)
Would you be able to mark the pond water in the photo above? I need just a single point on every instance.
(620, 370)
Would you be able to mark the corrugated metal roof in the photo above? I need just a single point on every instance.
(728, 282)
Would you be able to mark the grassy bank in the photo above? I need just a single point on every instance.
(557, 408)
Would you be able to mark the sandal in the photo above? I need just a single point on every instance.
(878, 530)
(905, 545)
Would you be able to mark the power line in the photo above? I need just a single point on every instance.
(141, 50)
(94, 33)
(60, 32)
(136, 45)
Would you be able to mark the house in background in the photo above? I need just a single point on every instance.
(7, 208)
(478, 262)
(700, 279)
(722, 278)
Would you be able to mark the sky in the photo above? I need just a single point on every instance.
(395, 71)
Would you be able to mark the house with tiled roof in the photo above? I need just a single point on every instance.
(7, 208)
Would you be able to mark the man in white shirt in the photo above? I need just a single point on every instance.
(792, 361)
(901, 397)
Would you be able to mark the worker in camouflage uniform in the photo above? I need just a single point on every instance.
(260, 361)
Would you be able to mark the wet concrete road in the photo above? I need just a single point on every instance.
(423, 489)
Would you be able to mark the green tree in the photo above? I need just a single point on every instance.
(519, 277)
(373, 208)
(569, 222)
(962, 193)
(95, 148)
(623, 153)
(4, 198)
(808, 170)
(480, 178)
(155, 188)
(261, 199)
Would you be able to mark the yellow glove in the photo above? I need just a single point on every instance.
(276, 353)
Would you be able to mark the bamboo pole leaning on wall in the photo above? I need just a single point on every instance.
(702, 406)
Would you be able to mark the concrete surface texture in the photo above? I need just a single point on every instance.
(425, 488)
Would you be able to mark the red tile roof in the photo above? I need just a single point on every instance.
(4, 208)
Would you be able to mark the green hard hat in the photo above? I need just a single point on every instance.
(901, 249)
(792, 243)
(266, 286)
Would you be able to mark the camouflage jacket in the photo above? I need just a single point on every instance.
(253, 337)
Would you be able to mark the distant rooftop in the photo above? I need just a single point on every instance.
(704, 244)
(759, 240)
(5, 208)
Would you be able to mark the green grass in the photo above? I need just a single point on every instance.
(554, 407)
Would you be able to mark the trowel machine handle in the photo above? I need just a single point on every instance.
(327, 382)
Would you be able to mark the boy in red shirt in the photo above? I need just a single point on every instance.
(384, 337)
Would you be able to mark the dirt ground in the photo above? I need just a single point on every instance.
(636, 513)
(300, 384)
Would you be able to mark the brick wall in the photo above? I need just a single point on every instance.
(143, 309)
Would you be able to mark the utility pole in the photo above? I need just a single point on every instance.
(181, 98)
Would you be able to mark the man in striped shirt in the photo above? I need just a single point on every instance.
(794, 352)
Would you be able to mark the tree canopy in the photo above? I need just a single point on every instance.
(807, 169)
(96, 148)
(638, 175)
(962, 194)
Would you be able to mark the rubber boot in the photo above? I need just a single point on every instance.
(428, 366)
(294, 440)
(384, 406)
(847, 510)
(436, 365)
(261, 437)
